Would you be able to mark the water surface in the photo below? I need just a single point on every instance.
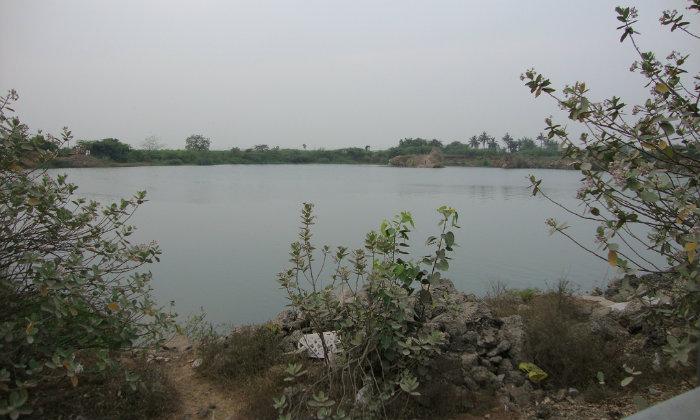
(225, 230)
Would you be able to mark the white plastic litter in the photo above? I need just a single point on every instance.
(313, 346)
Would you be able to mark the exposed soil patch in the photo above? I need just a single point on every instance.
(200, 399)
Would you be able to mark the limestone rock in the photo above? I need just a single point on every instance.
(289, 343)
(513, 330)
(502, 347)
(520, 395)
(482, 376)
(289, 320)
(469, 359)
(432, 160)
(607, 327)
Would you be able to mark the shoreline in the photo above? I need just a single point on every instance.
(502, 162)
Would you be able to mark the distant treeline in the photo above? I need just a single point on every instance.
(197, 152)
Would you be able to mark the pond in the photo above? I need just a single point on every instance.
(225, 230)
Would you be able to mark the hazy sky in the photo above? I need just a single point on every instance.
(325, 73)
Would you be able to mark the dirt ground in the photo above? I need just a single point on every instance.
(199, 398)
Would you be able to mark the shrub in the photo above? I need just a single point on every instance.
(504, 301)
(251, 360)
(246, 353)
(380, 318)
(116, 394)
(73, 287)
(197, 142)
(641, 171)
(107, 148)
(559, 339)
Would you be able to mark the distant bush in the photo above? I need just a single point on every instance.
(107, 148)
(112, 149)
(197, 142)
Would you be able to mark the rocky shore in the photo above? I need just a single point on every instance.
(434, 159)
(481, 362)
(484, 368)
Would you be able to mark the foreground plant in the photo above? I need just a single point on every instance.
(641, 179)
(73, 297)
(375, 300)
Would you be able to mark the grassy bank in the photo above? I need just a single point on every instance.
(510, 161)
(470, 158)
(112, 152)
(583, 352)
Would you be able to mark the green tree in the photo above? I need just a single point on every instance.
(526, 143)
(551, 145)
(197, 142)
(74, 289)
(474, 142)
(510, 143)
(107, 148)
(641, 171)
(484, 139)
(542, 140)
(456, 148)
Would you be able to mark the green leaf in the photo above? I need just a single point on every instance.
(425, 297)
(649, 196)
(667, 127)
(661, 88)
(449, 239)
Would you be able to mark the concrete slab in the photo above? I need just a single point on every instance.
(681, 407)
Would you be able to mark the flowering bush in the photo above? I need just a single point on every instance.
(641, 178)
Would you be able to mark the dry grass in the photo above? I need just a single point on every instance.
(557, 335)
(559, 339)
(506, 302)
(249, 360)
(110, 396)
(244, 354)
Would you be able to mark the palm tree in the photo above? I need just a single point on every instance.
(542, 139)
(474, 142)
(484, 139)
(526, 143)
(492, 143)
(510, 143)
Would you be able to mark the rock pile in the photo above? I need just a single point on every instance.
(432, 160)
(481, 356)
(481, 353)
